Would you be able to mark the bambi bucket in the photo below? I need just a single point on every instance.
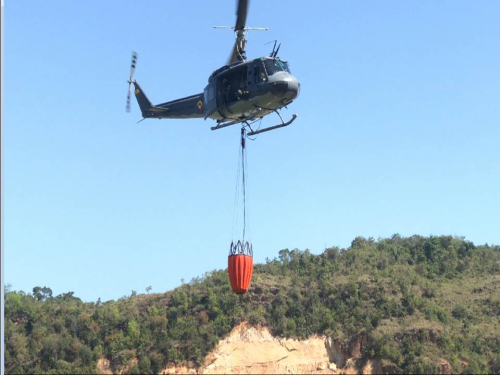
(240, 267)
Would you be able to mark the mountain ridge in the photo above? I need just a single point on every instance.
(416, 301)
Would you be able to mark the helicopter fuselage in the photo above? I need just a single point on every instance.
(249, 90)
(242, 91)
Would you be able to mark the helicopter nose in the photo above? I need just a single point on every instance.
(293, 88)
(278, 88)
(287, 87)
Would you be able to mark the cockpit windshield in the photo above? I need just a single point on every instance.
(274, 66)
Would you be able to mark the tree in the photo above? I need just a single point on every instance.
(41, 294)
(68, 296)
(148, 289)
(284, 256)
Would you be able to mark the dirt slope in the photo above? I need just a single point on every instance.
(253, 350)
(250, 350)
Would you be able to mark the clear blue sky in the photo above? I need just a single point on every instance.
(398, 132)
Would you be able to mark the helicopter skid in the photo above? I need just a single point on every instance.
(223, 125)
(283, 124)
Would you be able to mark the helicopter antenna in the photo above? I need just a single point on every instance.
(240, 30)
(276, 53)
(275, 41)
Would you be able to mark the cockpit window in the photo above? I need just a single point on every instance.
(273, 66)
(286, 67)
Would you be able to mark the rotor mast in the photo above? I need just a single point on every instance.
(240, 29)
(241, 39)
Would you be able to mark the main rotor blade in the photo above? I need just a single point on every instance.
(241, 19)
(241, 13)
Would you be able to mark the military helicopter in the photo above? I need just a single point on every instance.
(242, 91)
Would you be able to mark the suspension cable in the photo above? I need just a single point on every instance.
(243, 178)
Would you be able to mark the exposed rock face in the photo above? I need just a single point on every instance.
(253, 350)
(444, 367)
(372, 366)
(104, 367)
(357, 344)
(250, 350)
(181, 370)
(335, 352)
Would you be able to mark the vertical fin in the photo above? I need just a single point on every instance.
(144, 103)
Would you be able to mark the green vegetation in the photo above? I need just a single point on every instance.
(411, 301)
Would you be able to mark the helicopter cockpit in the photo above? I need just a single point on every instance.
(275, 65)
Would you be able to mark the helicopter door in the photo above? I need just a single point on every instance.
(232, 86)
(219, 93)
(259, 77)
(210, 99)
(242, 92)
(250, 76)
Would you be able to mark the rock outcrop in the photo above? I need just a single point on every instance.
(253, 350)
(104, 367)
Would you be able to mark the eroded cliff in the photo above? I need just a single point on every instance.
(253, 350)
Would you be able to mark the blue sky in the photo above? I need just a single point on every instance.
(398, 132)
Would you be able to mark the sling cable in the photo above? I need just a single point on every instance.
(240, 259)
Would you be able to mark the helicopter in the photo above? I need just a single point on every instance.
(241, 92)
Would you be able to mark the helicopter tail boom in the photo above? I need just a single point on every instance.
(188, 107)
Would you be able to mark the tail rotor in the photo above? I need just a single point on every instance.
(132, 70)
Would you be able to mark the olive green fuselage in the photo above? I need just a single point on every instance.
(238, 92)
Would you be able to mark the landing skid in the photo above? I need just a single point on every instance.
(224, 124)
(283, 124)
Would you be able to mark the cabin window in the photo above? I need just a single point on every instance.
(211, 93)
(259, 75)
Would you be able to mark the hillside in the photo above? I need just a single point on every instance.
(417, 304)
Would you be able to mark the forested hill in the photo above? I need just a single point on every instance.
(415, 300)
